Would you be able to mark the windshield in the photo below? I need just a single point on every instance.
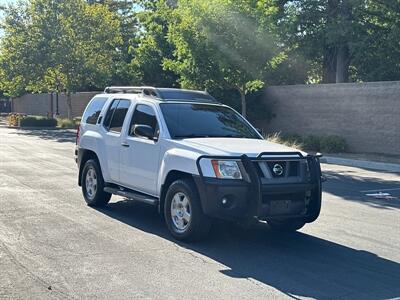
(186, 120)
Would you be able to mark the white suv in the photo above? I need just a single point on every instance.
(193, 158)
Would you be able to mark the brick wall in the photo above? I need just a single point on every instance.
(40, 104)
(367, 115)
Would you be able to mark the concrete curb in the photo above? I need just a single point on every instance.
(41, 128)
(380, 166)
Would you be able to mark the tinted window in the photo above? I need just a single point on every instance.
(110, 113)
(93, 110)
(184, 95)
(143, 115)
(202, 120)
(119, 114)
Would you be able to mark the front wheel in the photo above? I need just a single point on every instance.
(93, 185)
(288, 225)
(183, 213)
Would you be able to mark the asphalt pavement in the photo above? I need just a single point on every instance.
(53, 246)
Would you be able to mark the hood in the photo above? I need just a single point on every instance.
(234, 146)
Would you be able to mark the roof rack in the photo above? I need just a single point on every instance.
(163, 94)
(145, 90)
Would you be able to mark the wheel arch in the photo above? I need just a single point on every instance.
(171, 177)
(85, 155)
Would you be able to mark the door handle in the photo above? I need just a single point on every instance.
(125, 145)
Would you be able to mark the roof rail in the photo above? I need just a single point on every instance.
(163, 94)
(145, 90)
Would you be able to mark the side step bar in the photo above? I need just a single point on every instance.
(132, 195)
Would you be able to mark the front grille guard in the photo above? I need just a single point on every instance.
(255, 180)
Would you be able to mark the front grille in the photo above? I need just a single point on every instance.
(279, 171)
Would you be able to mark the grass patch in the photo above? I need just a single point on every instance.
(325, 144)
(67, 123)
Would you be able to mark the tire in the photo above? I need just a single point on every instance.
(183, 213)
(93, 185)
(289, 225)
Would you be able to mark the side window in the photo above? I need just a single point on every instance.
(144, 115)
(116, 115)
(110, 113)
(93, 110)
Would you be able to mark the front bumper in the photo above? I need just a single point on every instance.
(261, 198)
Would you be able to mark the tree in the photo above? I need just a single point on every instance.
(223, 43)
(150, 46)
(126, 12)
(343, 39)
(376, 56)
(54, 45)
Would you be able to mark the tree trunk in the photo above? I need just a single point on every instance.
(329, 64)
(243, 100)
(343, 51)
(69, 105)
(342, 64)
(330, 48)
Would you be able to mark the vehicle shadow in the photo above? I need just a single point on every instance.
(57, 135)
(298, 264)
(354, 188)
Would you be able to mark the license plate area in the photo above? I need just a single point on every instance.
(284, 204)
(280, 207)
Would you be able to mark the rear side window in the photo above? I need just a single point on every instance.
(110, 113)
(93, 110)
(116, 115)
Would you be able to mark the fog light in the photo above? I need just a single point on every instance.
(228, 201)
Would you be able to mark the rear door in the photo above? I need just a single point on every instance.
(112, 126)
(140, 157)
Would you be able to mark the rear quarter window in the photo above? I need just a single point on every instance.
(93, 110)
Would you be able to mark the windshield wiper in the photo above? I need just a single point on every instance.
(189, 136)
(232, 136)
(207, 136)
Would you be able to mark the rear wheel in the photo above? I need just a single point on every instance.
(93, 184)
(183, 213)
(288, 225)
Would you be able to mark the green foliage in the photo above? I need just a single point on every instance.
(225, 44)
(341, 40)
(57, 45)
(34, 121)
(129, 29)
(232, 48)
(151, 47)
(325, 144)
(67, 123)
(333, 144)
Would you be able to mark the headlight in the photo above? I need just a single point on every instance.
(227, 169)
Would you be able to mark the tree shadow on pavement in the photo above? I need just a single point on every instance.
(355, 188)
(298, 264)
(57, 135)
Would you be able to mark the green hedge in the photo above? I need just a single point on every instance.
(37, 122)
(325, 144)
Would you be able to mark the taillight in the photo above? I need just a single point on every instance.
(78, 131)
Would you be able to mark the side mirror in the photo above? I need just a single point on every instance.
(144, 131)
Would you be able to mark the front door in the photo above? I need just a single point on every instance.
(140, 156)
(113, 124)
